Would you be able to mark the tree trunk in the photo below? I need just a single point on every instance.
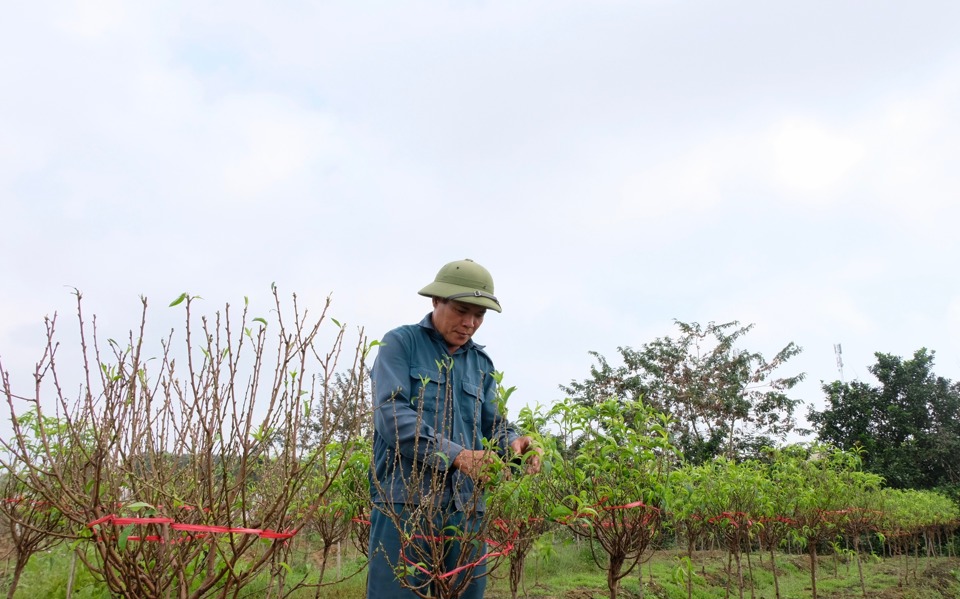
(613, 575)
(323, 565)
(72, 574)
(726, 590)
(753, 594)
(906, 563)
(516, 574)
(773, 568)
(17, 571)
(736, 556)
(856, 549)
(813, 568)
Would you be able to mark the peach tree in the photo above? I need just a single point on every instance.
(611, 484)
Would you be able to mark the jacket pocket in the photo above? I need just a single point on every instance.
(427, 388)
(470, 400)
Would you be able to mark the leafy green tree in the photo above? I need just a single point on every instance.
(354, 485)
(517, 505)
(907, 425)
(816, 482)
(687, 509)
(732, 503)
(911, 515)
(518, 521)
(774, 505)
(722, 400)
(612, 492)
(330, 496)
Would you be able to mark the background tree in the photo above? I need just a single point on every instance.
(721, 399)
(341, 416)
(908, 425)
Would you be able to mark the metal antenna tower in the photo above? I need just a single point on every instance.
(839, 353)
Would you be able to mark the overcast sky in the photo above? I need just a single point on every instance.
(615, 165)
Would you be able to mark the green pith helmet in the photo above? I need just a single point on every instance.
(464, 281)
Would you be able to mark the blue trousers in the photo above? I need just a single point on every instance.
(386, 547)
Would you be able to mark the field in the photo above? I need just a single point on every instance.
(565, 571)
(573, 576)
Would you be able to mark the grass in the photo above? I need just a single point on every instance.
(573, 575)
(564, 570)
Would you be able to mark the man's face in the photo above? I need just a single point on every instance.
(456, 321)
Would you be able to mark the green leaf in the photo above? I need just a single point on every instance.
(337, 322)
(444, 457)
(179, 300)
(261, 320)
(124, 534)
(141, 505)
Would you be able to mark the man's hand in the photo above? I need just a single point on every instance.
(524, 445)
(473, 462)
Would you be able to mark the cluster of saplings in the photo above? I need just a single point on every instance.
(626, 489)
(188, 471)
(183, 470)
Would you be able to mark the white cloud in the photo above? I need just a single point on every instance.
(913, 178)
(798, 158)
(842, 311)
(690, 182)
(953, 318)
(811, 159)
(614, 165)
(93, 18)
(824, 309)
(270, 142)
(894, 161)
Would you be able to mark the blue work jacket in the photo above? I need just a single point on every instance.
(428, 406)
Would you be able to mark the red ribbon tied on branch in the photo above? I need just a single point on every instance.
(204, 529)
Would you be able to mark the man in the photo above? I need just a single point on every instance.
(434, 412)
